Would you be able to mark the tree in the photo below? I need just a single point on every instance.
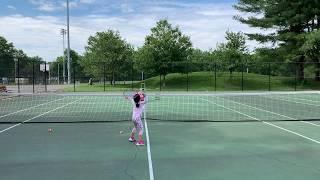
(287, 21)
(25, 63)
(76, 68)
(201, 60)
(106, 51)
(26, 67)
(312, 49)
(163, 47)
(234, 52)
(54, 67)
(270, 61)
(6, 58)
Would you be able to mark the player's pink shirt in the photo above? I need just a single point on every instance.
(137, 112)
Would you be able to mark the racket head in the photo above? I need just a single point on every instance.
(129, 94)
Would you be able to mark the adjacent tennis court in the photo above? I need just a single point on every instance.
(191, 136)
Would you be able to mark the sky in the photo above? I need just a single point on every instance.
(34, 25)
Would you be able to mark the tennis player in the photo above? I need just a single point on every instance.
(138, 102)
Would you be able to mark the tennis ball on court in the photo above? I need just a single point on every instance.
(50, 130)
(121, 132)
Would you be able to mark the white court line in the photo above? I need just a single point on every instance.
(270, 124)
(148, 148)
(314, 124)
(272, 112)
(30, 108)
(300, 99)
(37, 116)
(293, 101)
(308, 104)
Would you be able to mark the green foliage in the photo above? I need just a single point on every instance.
(200, 59)
(233, 53)
(7, 55)
(165, 44)
(312, 49)
(76, 61)
(107, 50)
(312, 46)
(288, 22)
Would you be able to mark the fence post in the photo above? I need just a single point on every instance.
(45, 76)
(269, 64)
(33, 76)
(160, 81)
(187, 76)
(74, 77)
(132, 75)
(18, 75)
(242, 69)
(215, 76)
(104, 76)
(295, 77)
(58, 74)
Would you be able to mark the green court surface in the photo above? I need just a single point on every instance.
(89, 151)
(191, 136)
(232, 151)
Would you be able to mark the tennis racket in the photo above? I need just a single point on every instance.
(128, 94)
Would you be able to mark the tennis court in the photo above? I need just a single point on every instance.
(189, 136)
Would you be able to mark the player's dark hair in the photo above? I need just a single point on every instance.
(136, 99)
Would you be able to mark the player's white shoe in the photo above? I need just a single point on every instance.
(131, 139)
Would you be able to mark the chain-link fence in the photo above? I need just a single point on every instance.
(175, 76)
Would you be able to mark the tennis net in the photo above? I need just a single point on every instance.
(170, 107)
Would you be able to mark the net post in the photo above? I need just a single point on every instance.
(32, 76)
(269, 64)
(104, 76)
(45, 76)
(18, 75)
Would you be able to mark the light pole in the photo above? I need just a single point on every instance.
(63, 33)
(68, 37)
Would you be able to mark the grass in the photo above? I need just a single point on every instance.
(207, 81)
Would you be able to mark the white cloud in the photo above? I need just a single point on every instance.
(217, 12)
(125, 8)
(48, 7)
(11, 7)
(87, 1)
(51, 6)
(205, 24)
(72, 4)
(45, 5)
